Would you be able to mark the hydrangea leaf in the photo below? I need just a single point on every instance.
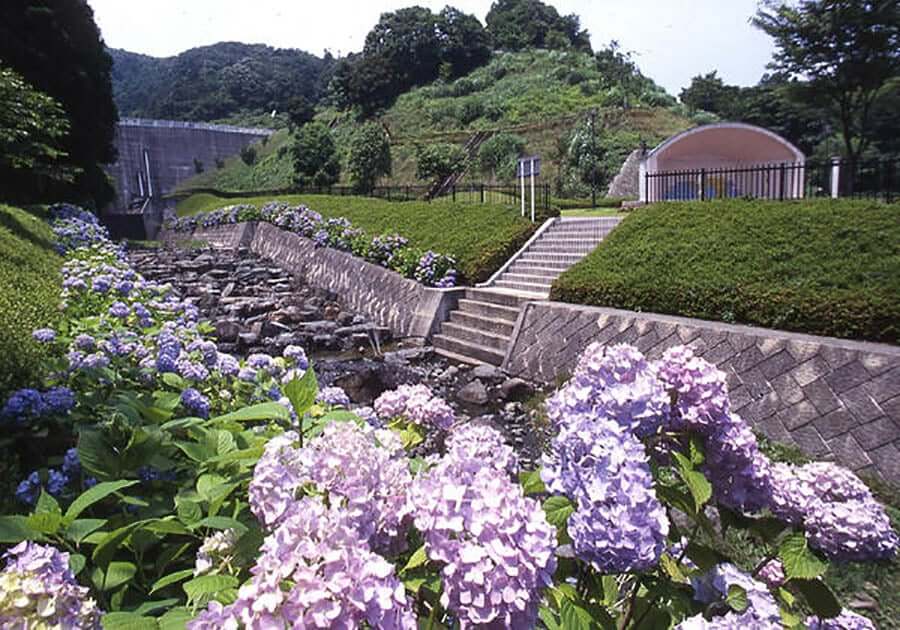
(79, 529)
(697, 483)
(418, 558)
(818, 596)
(262, 411)
(128, 621)
(798, 560)
(221, 522)
(201, 589)
(531, 482)
(558, 509)
(302, 392)
(172, 578)
(116, 574)
(175, 619)
(93, 495)
(76, 563)
(737, 598)
(672, 568)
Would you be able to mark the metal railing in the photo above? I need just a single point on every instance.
(875, 179)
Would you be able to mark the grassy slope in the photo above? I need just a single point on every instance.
(29, 292)
(821, 267)
(527, 93)
(481, 237)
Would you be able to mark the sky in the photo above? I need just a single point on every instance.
(672, 40)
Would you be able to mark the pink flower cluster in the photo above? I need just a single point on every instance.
(494, 544)
(417, 404)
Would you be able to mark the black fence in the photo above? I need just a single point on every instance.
(877, 179)
(460, 193)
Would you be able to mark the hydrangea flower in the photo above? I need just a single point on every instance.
(417, 404)
(484, 445)
(772, 573)
(119, 310)
(59, 400)
(333, 396)
(44, 335)
(847, 620)
(29, 489)
(24, 404)
(762, 610)
(195, 402)
(494, 545)
(297, 356)
(618, 525)
(315, 571)
(217, 552)
(38, 590)
(71, 462)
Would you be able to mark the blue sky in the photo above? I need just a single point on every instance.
(673, 40)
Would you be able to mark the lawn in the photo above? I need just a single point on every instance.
(29, 292)
(822, 267)
(480, 237)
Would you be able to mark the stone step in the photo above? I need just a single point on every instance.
(528, 278)
(471, 353)
(568, 249)
(493, 325)
(538, 291)
(494, 297)
(535, 270)
(489, 310)
(475, 336)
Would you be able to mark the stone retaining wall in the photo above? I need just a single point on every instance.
(406, 307)
(832, 398)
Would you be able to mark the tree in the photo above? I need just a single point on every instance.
(710, 94)
(522, 24)
(314, 156)
(370, 156)
(498, 155)
(33, 128)
(847, 49)
(300, 111)
(56, 47)
(439, 161)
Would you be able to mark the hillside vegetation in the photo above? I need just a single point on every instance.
(542, 96)
(29, 291)
(821, 267)
(480, 237)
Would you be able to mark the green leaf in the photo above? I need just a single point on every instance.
(737, 598)
(200, 453)
(704, 557)
(181, 423)
(558, 509)
(672, 568)
(167, 526)
(574, 617)
(109, 544)
(224, 442)
(15, 529)
(798, 560)
(173, 380)
(128, 621)
(819, 597)
(155, 606)
(46, 523)
(46, 504)
(221, 522)
(175, 619)
(697, 483)
(93, 495)
(207, 485)
(96, 455)
(115, 575)
(202, 589)
(549, 618)
(76, 562)
(262, 411)
(172, 578)
(302, 392)
(79, 529)
(189, 512)
(418, 558)
(531, 482)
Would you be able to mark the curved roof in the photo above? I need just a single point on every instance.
(715, 130)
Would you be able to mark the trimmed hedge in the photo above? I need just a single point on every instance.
(822, 267)
(480, 237)
(29, 293)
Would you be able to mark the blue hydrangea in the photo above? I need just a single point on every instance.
(71, 462)
(149, 474)
(29, 489)
(195, 402)
(59, 400)
(44, 335)
(24, 404)
(297, 355)
(119, 310)
(333, 396)
(56, 482)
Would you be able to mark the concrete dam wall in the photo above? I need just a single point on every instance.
(157, 155)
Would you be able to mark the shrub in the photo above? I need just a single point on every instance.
(314, 156)
(820, 267)
(439, 161)
(248, 155)
(498, 155)
(470, 110)
(370, 156)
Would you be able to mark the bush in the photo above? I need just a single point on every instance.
(314, 156)
(29, 293)
(819, 267)
(439, 161)
(470, 110)
(370, 156)
(248, 155)
(498, 155)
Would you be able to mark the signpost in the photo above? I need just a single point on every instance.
(528, 167)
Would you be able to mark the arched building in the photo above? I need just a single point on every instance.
(722, 160)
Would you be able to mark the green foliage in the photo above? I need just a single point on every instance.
(479, 237)
(32, 127)
(846, 50)
(217, 82)
(248, 155)
(498, 154)
(369, 156)
(821, 267)
(29, 289)
(522, 24)
(315, 158)
(57, 49)
(439, 161)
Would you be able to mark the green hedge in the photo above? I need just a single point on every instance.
(480, 237)
(822, 267)
(29, 294)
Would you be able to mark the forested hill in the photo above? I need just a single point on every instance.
(226, 81)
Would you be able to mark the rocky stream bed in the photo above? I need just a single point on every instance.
(256, 306)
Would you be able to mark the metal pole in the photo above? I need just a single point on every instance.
(593, 161)
(532, 190)
(522, 180)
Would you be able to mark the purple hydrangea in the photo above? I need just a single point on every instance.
(44, 335)
(84, 342)
(227, 365)
(40, 591)
(71, 463)
(712, 587)
(23, 405)
(333, 396)
(29, 489)
(417, 404)
(195, 402)
(480, 443)
(59, 400)
(772, 573)
(56, 482)
(297, 356)
(847, 620)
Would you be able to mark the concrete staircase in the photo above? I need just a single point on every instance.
(564, 243)
(480, 329)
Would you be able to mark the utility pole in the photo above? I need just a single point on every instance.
(593, 160)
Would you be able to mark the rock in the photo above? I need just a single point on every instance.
(516, 389)
(227, 329)
(487, 373)
(248, 339)
(475, 393)
(273, 329)
(331, 311)
(449, 374)
(228, 290)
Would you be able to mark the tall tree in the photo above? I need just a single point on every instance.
(521, 24)
(56, 46)
(370, 156)
(314, 156)
(709, 93)
(847, 49)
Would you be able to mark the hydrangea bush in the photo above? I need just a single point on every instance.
(387, 250)
(179, 486)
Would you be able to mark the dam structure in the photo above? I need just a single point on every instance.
(155, 156)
